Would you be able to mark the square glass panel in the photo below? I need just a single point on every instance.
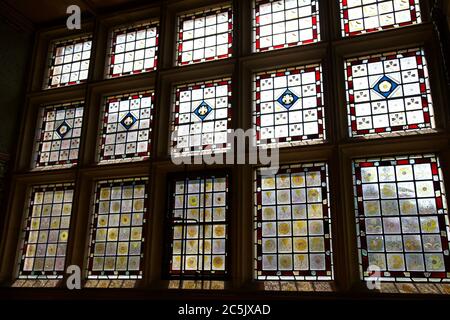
(126, 128)
(388, 93)
(288, 107)
(58, 135)
(201, 118)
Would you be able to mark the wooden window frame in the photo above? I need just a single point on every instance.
(338, 150)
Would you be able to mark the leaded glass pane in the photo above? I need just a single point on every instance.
(205, 36)
(58, 135)
(69, 62)
(46, 232)
(365, 16)
(293, 224)
(285, 23)
(133, 50)
(388, 93)
(288, 107)
(201, 118)
(126, 128)
(116, 237)
(402, 218)
(199, 226)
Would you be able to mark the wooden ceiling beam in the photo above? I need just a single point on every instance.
(15, 18)
(90, 6)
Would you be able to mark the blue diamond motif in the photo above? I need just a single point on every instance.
(203, 110)
(287, 99)
(385, 86)
(63, 129)
(128, 121)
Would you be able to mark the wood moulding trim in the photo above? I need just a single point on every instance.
(15, 18)
(338, 151)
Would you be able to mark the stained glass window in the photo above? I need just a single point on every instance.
(126, 128)
(133, 50)
(293, 224)
(289, 106)
(198, 226)
(388, 93)
(69, 62)
(46, 231)
(58, 135)
(402, 218)
(201, 118)
(116, 238)
(285, 23)
(364, 16)
(205, 36)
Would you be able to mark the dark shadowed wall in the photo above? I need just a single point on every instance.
(15, 54)
(15, 46)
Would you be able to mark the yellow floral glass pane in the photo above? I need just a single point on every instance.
(292, 224)
(46, 232)
(116, 230)
(199, 228)
(402, 218)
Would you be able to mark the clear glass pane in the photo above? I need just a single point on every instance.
(285, 23)
(134, 50)
(205, 36)
(68, 62)
(361, 16)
